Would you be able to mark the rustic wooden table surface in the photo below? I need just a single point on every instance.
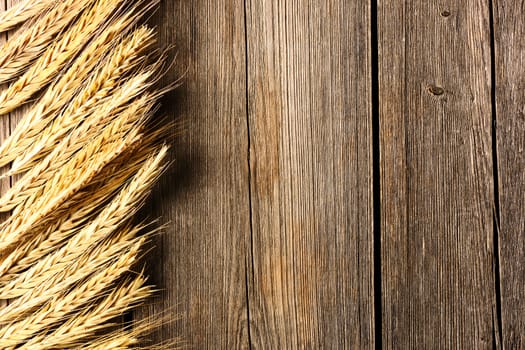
(348, 175)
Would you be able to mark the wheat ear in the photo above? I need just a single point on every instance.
(90, 123)
(127, 339)
(123, 130)
(88, 162)
(58, 308)
(98, 89)
(80, 209)
(31, 40)
(83, 159)
(60, 92)
(121, 207)
(22, 11)
(57, 55)
(86, 323)
(36, 286)
(120, 340)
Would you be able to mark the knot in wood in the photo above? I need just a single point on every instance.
(435, 90)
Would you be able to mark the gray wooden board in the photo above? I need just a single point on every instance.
(509, 31)
(309, 98)
(305, 260)
(436, 175)
(200, 260)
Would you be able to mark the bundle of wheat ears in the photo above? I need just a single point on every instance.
(80, 76)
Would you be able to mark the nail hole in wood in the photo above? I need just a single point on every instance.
(435, 90)
(445, 13)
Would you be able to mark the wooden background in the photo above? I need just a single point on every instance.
(349, 175)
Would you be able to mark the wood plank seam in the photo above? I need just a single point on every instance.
(376, 155)
(249, 252)
(497, 323)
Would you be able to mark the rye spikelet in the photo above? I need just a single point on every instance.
(86, 155)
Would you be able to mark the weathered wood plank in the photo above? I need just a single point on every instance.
(200, 259)
(436, 174)
(309, 97)
(509, 34)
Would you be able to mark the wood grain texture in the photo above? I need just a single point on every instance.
(269, 202)
(200, 259)
(509, 34)
(436, 175)
(309, 97)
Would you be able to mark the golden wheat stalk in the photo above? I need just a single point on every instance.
(57, 55)
(53, 272)
(89, 122)
(99, 89)
(57, 309)
(86, 323)
(116, 254)
(121, 208)
(126, 339)
(121, 121)
(21, 12)
(62, 90)
(27, 44)
(120, 340)
(78, 210)
(70, 264)
(88, 155)
(87, 163)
